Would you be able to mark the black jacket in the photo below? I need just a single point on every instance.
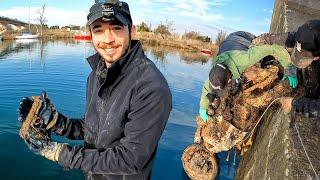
(127, 108)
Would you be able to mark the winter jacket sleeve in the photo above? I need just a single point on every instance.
(239, 61)
(70, 128)
(149, 111)
(204, 101)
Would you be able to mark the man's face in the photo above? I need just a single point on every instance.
(110, 40)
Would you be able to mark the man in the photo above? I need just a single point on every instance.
(229, 65)
(128, 103)
(307, 47)
(239, 40)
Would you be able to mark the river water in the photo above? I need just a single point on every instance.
(61, 69)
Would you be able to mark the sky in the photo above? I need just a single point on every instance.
(204, 16)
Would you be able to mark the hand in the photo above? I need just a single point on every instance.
(235, 85)
(308, 107)
(48, 114)
(25, 106)
(203, 114)
(47, 149)
(293, 81)
(286, 104)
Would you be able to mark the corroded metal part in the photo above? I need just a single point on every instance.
(32, 126)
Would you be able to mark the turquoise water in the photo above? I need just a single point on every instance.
(60, 68)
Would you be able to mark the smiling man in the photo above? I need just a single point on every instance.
(127, 106)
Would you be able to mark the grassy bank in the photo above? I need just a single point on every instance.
(174, 41)
(48, 34)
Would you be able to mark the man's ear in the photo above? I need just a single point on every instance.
(133, 32)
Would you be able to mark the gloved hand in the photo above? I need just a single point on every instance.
(25, 106)
(203, 114)
(291, 74)
(48, 113)
(308, 107)
(235, 85)
(47, 149)
(293, 81)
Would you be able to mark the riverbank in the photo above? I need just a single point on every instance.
(175, 41)
(150, 38)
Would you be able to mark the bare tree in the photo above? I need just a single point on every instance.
(41, 19)
(221, 36)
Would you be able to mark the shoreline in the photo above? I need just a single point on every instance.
(150, 38)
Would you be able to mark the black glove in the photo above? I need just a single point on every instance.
(235, 86)
(48, 113)
(308, 107)
(25, 106)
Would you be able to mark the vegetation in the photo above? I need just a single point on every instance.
(41, 19)
(196, 36)
(164, 29)
(143, 27)
(221, 36)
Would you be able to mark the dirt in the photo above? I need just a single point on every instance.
(199, 163)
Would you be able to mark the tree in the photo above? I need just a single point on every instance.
(221, 36)
(41, 19)
(143, 27)
(164, 29)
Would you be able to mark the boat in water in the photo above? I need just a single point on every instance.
(206, 52)
(82, 37)
(28, 36)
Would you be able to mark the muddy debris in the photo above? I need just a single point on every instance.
(233, 117)
(199, 163)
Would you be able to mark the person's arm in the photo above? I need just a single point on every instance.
(147, 118)
(204, 101)
(256, 53)
(239, 61)
(70, 128)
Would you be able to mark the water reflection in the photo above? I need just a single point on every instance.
(160, 53)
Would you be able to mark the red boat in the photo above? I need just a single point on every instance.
(82, 37)
(207, 52)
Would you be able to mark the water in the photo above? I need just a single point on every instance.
(60, 68)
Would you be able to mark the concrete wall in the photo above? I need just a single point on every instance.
(288, 15)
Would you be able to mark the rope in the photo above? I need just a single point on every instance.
(305, 151)
(252, 131)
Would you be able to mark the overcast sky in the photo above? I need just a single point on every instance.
(204, 16)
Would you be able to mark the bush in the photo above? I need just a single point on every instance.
(196, 36)
(143, 27)
(163, 29)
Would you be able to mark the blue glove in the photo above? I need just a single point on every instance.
(293, 81)
(203, 114)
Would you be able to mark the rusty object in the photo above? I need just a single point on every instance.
(32, 125)
(220, 135)
(198, 163)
